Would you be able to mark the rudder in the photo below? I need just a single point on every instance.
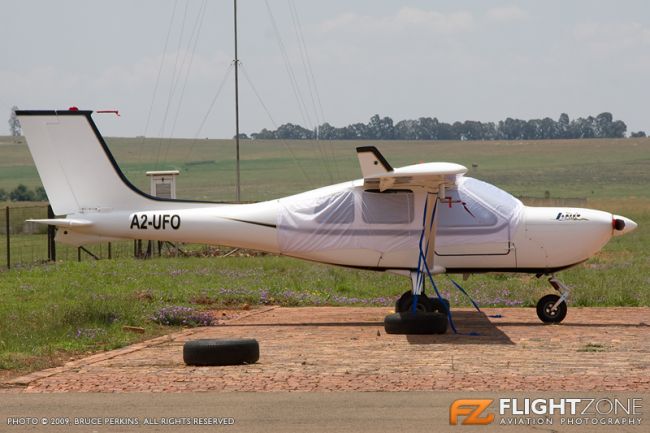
(77, 169)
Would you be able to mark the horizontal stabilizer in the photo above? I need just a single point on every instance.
(63, 222)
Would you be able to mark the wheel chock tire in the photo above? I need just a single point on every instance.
(415, 323)
(221, 351)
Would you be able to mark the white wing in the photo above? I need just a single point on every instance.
(431, 176)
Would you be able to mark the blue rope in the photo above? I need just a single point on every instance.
(422, 259)
(465, 293)
(424, 222)
(447, 310)
(414, 305)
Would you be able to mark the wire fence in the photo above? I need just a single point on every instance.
(24, 243)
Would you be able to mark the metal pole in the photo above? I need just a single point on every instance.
(7, 226)
(238, 188)
(51, 232)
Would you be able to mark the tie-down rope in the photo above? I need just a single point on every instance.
(422, 260)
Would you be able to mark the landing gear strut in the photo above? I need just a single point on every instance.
(553, 308)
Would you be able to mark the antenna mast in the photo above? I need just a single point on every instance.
(238, 188)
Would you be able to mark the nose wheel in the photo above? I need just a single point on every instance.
(548, 312)
(553, 308)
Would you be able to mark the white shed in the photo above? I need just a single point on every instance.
(163, 183)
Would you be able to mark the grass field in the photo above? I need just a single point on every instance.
(53, 311)
(565, 168)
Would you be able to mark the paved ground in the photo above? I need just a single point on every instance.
(346, 349)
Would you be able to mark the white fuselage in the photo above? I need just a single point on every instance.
(378, 222)
(543, 240)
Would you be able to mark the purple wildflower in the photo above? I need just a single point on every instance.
(182, 316)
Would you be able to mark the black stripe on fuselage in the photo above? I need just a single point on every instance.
(273, 226)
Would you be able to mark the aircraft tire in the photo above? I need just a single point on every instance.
(421, 322)
(544, 309)
(440, 306)
(221, 351)
(405, 302)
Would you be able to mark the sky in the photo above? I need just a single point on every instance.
(161, 63)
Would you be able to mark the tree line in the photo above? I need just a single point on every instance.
(23, 193)
(427, 128)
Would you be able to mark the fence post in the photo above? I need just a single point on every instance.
(8, 226)
(110, 251)
(51, 230)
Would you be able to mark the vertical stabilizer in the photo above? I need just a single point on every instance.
(75, 165)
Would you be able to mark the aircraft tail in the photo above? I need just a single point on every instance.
(76, 167)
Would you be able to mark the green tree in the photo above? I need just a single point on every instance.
(289, 131)
(14, 124)
(563, 124)
(40, 194)
(21, 193)
(381, 128)
(3, 195)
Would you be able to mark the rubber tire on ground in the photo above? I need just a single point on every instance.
(544, 309)
(421, 322)
(221, 351)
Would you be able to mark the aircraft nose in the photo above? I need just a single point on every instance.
(622, 225)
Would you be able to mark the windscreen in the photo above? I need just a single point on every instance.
(477, 212)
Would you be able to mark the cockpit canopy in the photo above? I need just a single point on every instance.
(354, 218)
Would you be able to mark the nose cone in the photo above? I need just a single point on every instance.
(622, 225)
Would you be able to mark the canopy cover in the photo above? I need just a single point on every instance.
(352, 218)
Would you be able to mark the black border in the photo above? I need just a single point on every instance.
(377, 154)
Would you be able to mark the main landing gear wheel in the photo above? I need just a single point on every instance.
(221, 351)
(418, 323)
(405, 303)
(545, 310)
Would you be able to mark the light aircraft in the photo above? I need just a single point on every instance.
(417, 221)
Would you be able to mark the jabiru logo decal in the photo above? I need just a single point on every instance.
(570, 216)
